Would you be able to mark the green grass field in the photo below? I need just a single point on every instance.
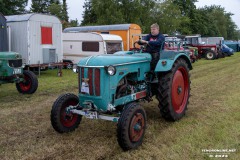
(212, 121)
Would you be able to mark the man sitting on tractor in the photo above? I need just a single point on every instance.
(154, 42)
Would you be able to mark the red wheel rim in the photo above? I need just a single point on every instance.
(26, 84)
(68, 119)
(180, 89)
(137, 127)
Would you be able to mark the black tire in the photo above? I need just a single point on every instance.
(210, 55)
(174, 91)
(61, 121)
(128, 137)
(221, 55)
(69, 66)
(30, 83)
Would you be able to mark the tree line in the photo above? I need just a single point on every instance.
(173, 16)
(53, 7)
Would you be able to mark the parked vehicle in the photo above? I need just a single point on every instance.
(126, 31)
(11, 71)
(193, 53)
(226, 50)
(212, 40)
(11, 65)
(111, 87)
(174, 43)
(208, 51)
(79, 45)
(38, 38)
(232, 44)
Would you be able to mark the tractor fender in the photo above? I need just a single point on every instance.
(165, 64)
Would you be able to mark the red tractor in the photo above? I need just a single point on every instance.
(208, 51)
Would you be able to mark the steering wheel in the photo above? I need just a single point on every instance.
(135, 49)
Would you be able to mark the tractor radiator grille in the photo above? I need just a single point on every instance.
(15, 63)
(92, 77)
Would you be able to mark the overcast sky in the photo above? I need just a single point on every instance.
(75, 8)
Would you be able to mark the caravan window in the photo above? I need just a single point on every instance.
(90, 46)
(113, 47)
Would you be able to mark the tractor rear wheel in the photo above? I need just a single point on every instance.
(30, 83)
(131, 126)
(210, 55)
(61, 120)
(174, 91)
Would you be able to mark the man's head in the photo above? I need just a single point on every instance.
(154, 29)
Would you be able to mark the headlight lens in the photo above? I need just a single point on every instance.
(111, 70)
(75, 69)
(213, 49)
(23, 65)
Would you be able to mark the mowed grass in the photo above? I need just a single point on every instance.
(212, 121)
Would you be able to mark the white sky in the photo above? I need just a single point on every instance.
(75, 8)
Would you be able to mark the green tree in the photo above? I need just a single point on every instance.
(55, 9)
(64, 11)
(204, 23)
(186, 7)
(172, 16)
(73, 23)
(169, 17)
(99, 12)
(40, 6)
(59, 10)
(89, 16)
(232, 29)
(137, 11)
(12, 7)
(107, 12)
(214, 21)
(188, 10)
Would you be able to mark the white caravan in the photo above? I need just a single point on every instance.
(77, 45)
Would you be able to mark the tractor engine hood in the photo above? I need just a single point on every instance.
(116, 59)
(10, 55)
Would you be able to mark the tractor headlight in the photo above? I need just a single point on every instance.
(23, 65)
(111, 70)
(213, 49)
(75, 69)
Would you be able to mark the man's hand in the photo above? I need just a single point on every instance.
(142, 42)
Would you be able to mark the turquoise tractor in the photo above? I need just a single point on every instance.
(111, 87)
(11, 71)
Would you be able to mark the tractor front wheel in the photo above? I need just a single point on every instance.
(174, 91)
(63, 121)
(131, 126)
(30, 83)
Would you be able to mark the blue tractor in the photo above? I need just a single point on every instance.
(226, 50)
(111, 87)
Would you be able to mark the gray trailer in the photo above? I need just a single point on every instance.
(38, 38)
